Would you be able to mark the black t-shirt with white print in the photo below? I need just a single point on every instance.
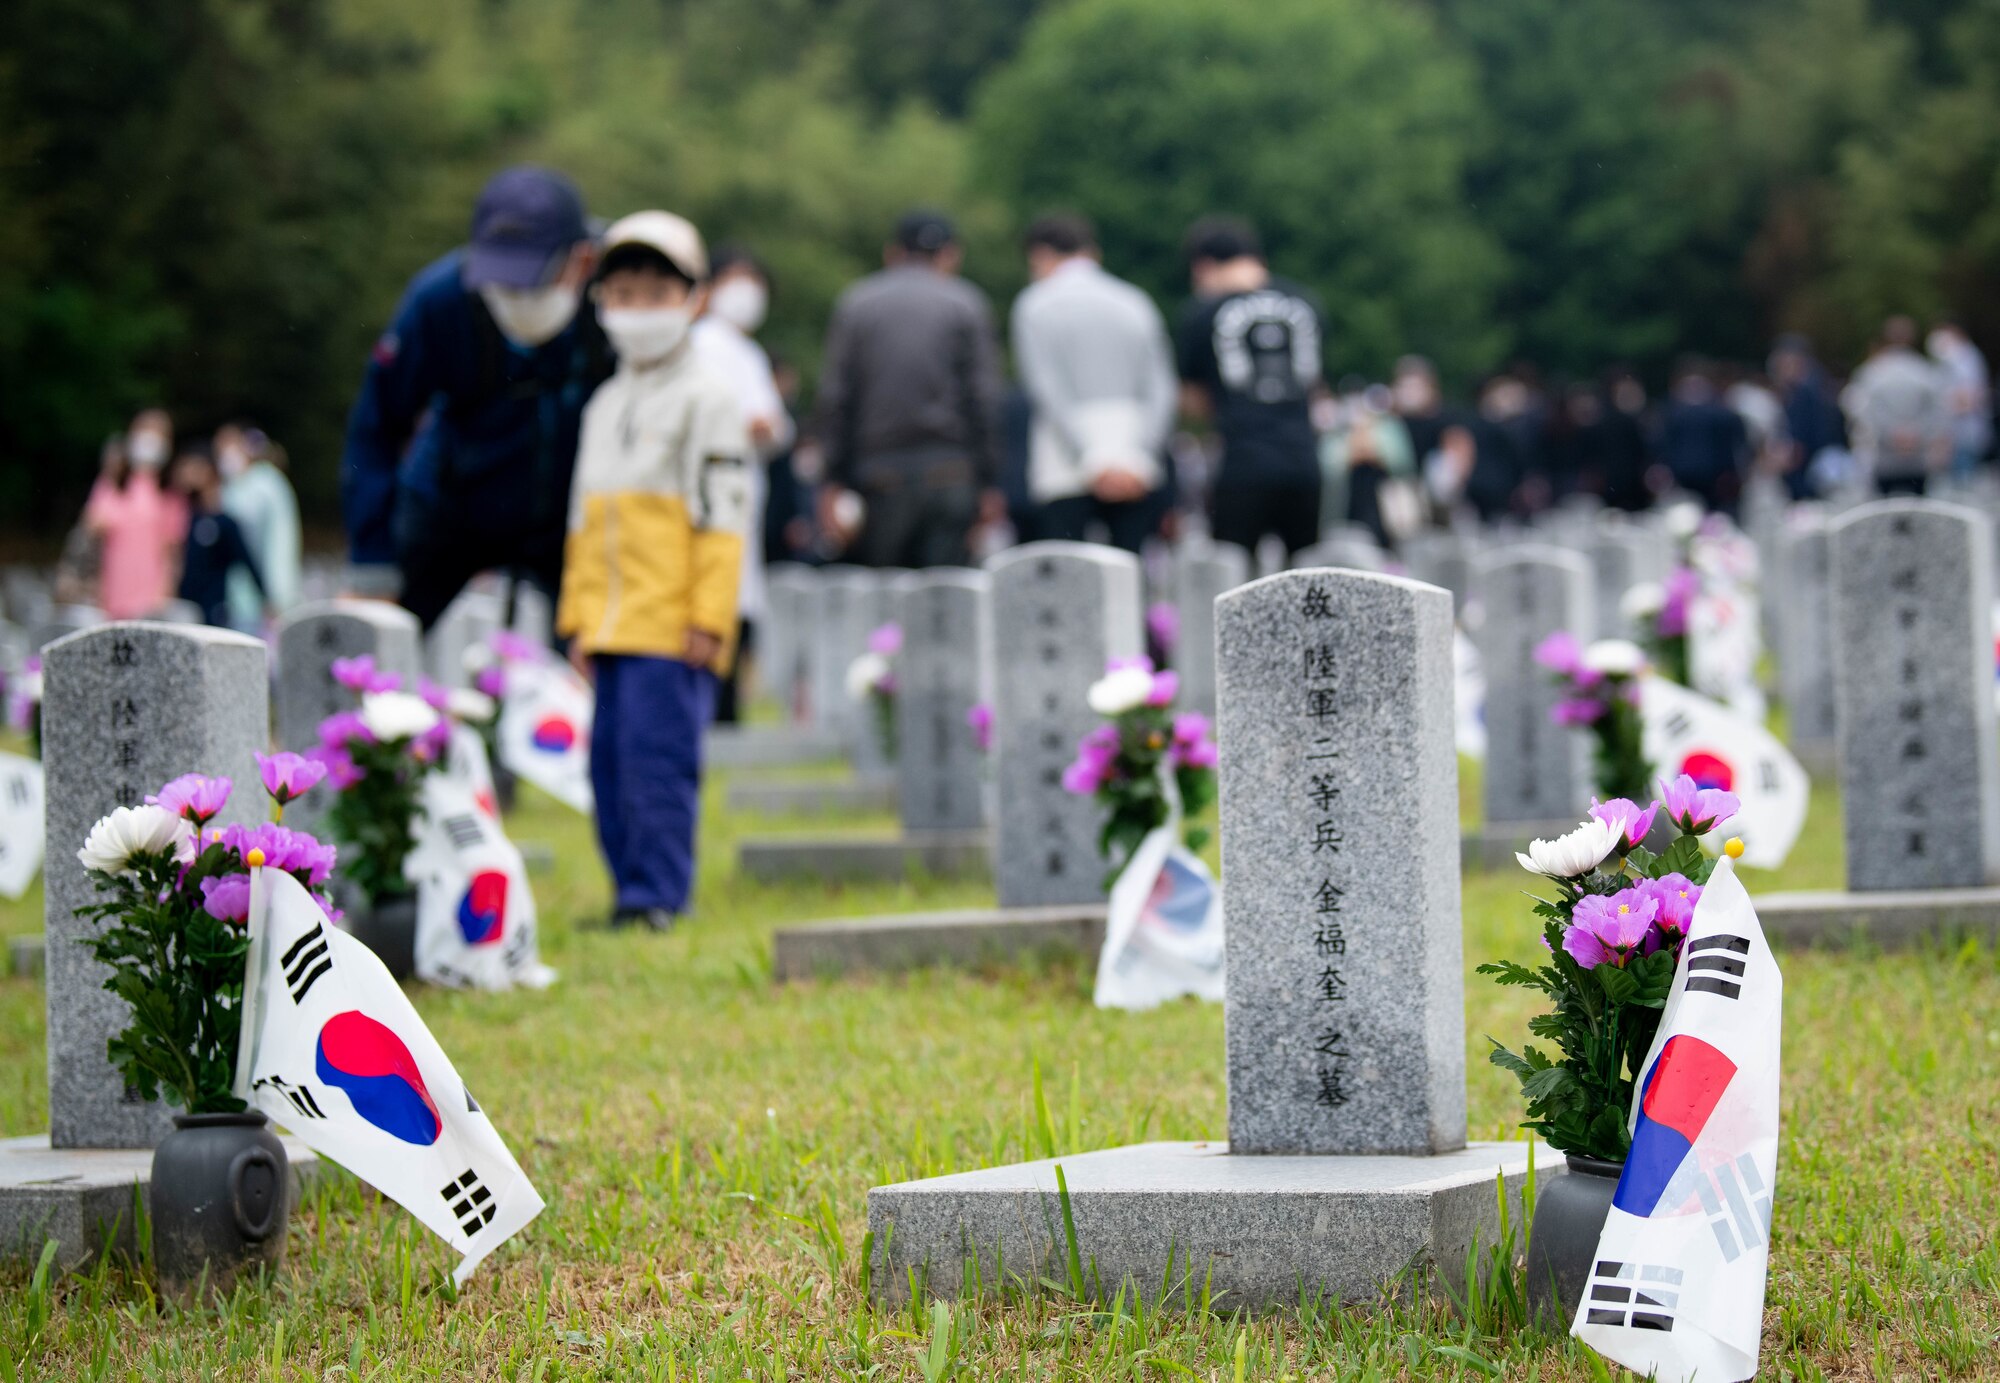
(1259, 356)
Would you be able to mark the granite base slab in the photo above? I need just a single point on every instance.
(27, 957)
(850, 859)
(763, 746)
(831, 797)
(880, 945)
(83, 1197)
(1180, 1220)
(1887, 919)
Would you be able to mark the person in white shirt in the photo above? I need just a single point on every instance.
(257, 495)
(1094, 358)
(725, 339)
(1969, 395)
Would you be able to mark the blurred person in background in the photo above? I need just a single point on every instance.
(461, 445)
(907, 418)
(1812, 412)
(259, 497)
(1366, 466)
(1098, 371)
(1968, 395)
(79, 566)
(1249, 347)
(137, 521)
(215, 553)
(1442, 446)
(1703, 441)
(725, 338)
(1898, 413)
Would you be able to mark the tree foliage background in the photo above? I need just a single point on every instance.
(215, 203)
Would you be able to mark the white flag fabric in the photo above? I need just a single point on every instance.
(1723, 648)
(466, 763)
(545, 716)
(475, 911)
(333, 1051)
(1677, 1287)
(1686, 732)
(20, 823)
(1468, 696)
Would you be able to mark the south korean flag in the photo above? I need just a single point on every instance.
(465, 763)
(333, 1052)
(1677, 1287)
(475, 913)
(20, 823)
(545, 718)
(1685, 732)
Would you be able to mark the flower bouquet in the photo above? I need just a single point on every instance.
(1600, 685)
(1145, 763)
(24, 703)
(1661, 611)
(872, 678)
(376, 758)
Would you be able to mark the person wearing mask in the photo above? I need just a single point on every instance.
(1098, 370)
(461, 443)
(256, 494)
(725, 338)
(216, 552)
(1898, 414)
(1969, 395)
(1704, 441)
(657, 524)
(1249, 349)
(907, 414)
(1812, 415)
(138, 523)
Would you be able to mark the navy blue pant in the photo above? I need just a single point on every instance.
(645, 769)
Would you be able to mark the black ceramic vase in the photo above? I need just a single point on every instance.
(389, 929)
(505, 788)
(220, 1200)
(1569, 1218)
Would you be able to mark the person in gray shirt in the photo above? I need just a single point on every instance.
(1093, 355)
(1897, 412)
(907, 414)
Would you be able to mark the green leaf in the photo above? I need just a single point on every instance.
(1618, 985)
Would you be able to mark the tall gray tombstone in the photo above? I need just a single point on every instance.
(940, 676)
(1061, 612)
(785, 633)
(851, 611)
(1342, 550)
(466, 623)
(1802, 595)
(1200, 574)
(310, 638)
(126, 707)
(1913, 687)
(1618, 561)
(1440, 558)
(1537, 772)
(1344, 1020)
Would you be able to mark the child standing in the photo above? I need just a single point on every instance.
(657, 520)
(215, 545)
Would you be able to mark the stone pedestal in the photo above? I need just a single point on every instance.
(768, 746)
(812, 797)
(849, 859)
(916, 941)
(1885, 919)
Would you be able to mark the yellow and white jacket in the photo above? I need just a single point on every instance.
(658, 512)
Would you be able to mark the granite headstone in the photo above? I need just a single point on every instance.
(940, 676)
(1200, 574)
(1802, 593)
(1537, 773)
(310, 638)
(468, 622)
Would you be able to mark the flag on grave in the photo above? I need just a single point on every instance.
(545, 718)
(20, 824)
(475, 911)
(1677, 1287)
(1686, 732)
(333, 1051)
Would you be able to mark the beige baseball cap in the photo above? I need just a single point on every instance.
(673, 236)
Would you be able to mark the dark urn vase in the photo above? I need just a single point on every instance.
(1569, 1217)
(505, 788)
(389, 929)
(221, 1197)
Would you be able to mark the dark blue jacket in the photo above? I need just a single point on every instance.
(473, 428)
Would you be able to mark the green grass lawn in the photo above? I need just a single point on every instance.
(706, 1141)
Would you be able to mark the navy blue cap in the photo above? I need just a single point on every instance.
(924, 232)
(526, 222)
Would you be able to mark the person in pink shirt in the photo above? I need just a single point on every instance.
(140, 524)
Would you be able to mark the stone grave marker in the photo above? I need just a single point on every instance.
(310, 637)
(1200, 574)
(1537, 775)
(790, 591)
(1618, 561)
(1801, 595)
(940, 676)
(466, 623)
(1343, 549)
(848, 604)
(1061, 612)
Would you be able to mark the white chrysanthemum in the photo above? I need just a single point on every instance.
(394, 715)
(1643, 601)
(1681, 520)
(30, 686)
(469, 704)
(477, 657)
(1124, 689)
(130, 831)
(864, 674)
(1571, 856)
(1615, 658)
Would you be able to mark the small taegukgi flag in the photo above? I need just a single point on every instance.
(475, 912)
(20, 824)
(545, 719)
(1677, 1287)
(1686, 732)
(333, 1051)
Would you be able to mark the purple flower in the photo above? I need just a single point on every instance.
(492, 681)
(1120, 664)
(1083, 777)
(430, 746)
(1200, 754)
(885, 685)
(1676, 895)
(286, 849)
(1163, 623)
(1190, 727)
(361, 675)
(193, 796)
(342, 772)
(1695, 809)
(1560, 653)
(980, 717)
(512, 648)
(1626, 817)
(1609, 929)
(288, 776)
(435, 694)
(227, 899)
(1577, 711)
(1681, 589)
(1166, 686)
(886, 640)
(342, 728)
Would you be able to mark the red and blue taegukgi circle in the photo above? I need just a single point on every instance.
(1682, 1090)
(483, 908)
(554, 734)
(1709, 770)
(368, 1063)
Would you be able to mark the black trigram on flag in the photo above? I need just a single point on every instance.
(1632, 1295)
(300, 1097)
(1716, 964)
(305, 962)
(17, 790)
(470, 1202)
(464, 830)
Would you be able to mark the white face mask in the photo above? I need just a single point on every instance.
(146, 450)
(741, 303)
(531, 316)
(642, 335)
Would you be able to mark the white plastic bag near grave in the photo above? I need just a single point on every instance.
(333, 1051)
(20, 823)
(1685, 732)
(475, 913)
(1163, 937)
(545, 716)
